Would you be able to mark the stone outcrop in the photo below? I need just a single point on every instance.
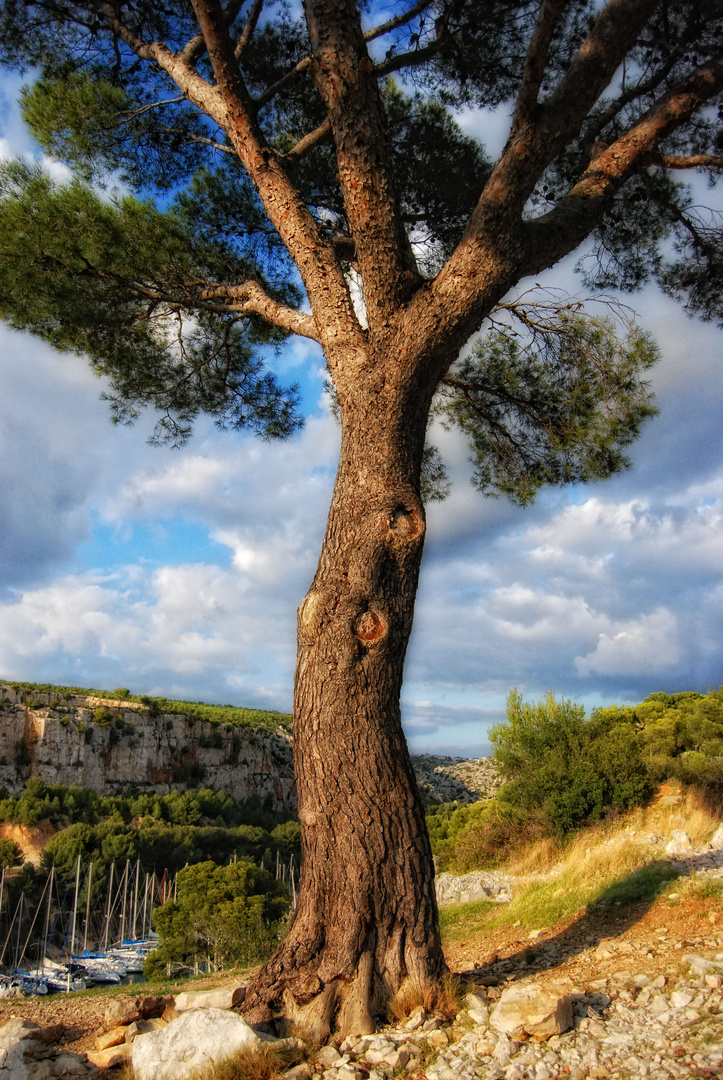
(193, 1041)
(468, 888)
(443, 779)
(61, 741)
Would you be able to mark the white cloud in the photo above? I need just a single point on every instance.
(647, 645)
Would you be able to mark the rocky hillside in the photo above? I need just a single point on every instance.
(107, 745)
(444, 779)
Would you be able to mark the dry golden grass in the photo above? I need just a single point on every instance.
(611, 863)
(442, 998)
(618, 846)
(537, 858)
(262, 1062)
(691, 815)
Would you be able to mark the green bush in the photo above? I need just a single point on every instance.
(565, 767)
(10, 854)
(231, 914)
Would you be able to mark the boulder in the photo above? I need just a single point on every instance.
(716, 841)
(114, 1037)
(223, 998)
(119, 1011)
(530, 1010)
(142, 1027)
(195, 1040)
(679, 844)
(299, 1072)
(468, 888)
(151, 1007)
(25, 1054)
(328, 1056)
(114, 1055)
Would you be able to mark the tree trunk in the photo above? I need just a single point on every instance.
(366, 919)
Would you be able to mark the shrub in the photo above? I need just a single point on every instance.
(103, 716)
(10, 854)
(229, 914)
(570, 769)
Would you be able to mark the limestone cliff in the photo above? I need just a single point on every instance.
(67, 741)
(108, 745)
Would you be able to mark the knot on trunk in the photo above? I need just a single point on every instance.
(370, 627)
(310, 614)
(406, 524)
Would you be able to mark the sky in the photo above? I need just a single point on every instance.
(178, 573)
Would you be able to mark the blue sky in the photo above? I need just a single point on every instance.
(179, 572)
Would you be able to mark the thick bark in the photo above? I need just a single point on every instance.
(366, 918)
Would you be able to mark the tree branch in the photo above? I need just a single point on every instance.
(344, 75)
(250, 298)
(548, 17)
(385, 68)
(196, 47)
(281, 84)
(533, 145)
(229, 106)
(313, 254)
(575, 216)
(397, 21)
(314, 137)
(695, 161)
(248, 30)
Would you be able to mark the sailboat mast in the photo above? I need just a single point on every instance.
(135, 900)
(108, 907)
(75, 907)
(123, 907)
(87, 908)
(44, 947)
(17, 942)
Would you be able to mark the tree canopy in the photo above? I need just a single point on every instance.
(179, 283)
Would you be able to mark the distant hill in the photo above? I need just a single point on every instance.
(109, 741)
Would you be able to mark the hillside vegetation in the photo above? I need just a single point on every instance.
(563, 770)
(214, 714)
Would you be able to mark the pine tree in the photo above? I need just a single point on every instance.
(274, 159)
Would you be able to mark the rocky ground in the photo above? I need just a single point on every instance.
(646, 987)
(446, 779)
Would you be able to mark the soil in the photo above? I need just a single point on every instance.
(659, 935)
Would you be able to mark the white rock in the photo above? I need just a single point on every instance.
(680, 998)
(679, 844)
(223, 998)
(193, 1040)
(468, 888)
(716, 840)
(700, 966)
(24, 1057)
(532, 1011)
(503, 1050)
(328, 1055)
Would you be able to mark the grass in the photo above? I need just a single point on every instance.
(603, 866)
(443, 998)
(265, 1062)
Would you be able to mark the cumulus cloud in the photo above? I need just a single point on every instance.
(649, 643)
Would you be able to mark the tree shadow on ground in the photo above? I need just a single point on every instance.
(613, 912)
